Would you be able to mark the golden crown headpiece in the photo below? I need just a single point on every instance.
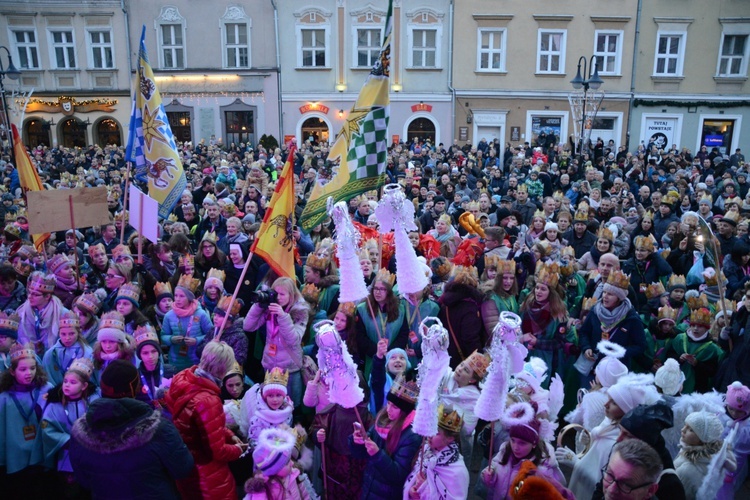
(654, 290)
(98, 246)
(311, 293)
(276, 376)
(57, 262)
(405, 390)
(235, 369)
(172, 218)
(216, 274)
(162, 289)
(479, 363)
(385, 276)
(88, 302)
(121, 251)
(667, 313)
(43, 283)
(466, 275)
(696, 302)
(701, 316)
(618, 279)
(492, 261)
(130, 291)
(522, 187)
(671, 198)
(706, 198)
(568, 252)
(186, 260)
(676, 280)
(449, 419)
(347, 308)
(645, 242)
(22, 213)
(472, 205)
(210, 236)
(70, 320)
(506, 267)
(548, 274)
(9, 321)
(648, 215)
(318, 263)
(20, 351)
(558, 195)
(539, 214)
(10, 216)
(82, 365)
(122, 215)
(606, 233)
(223, 305)
(112, 319)
(145, 333)
(582, 214)
(189, 283)
(712, 279)
(589, 303)
(210, 196)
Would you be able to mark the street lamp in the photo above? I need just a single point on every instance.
(588, 96)
(14, 74)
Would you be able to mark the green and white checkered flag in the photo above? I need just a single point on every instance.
(369, 147)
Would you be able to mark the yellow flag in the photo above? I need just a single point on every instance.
(29, 179)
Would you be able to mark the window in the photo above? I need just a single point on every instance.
(172, 48)
(28, 52)
(237, 48)
(424, 48)
(491, 53)
(101, 49)
(733, 60)
(368, 47)
(313, 48)
(669, 52)
(551, 54)
(607, 49)
(63, 50)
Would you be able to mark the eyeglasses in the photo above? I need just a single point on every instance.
(110, 275)
(608, 477)
(380, 289)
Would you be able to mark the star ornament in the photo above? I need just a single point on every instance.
(151, 126)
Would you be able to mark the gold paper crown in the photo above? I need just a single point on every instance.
(654, 290)
(701, 317)
(9, 322)
(347, 308)
(216, 273)
(449, 420)
(98, 246)
(311, 293)
(472, 205)
(648, 215)
(145, 333)
(10, 217)
(121, 251)
(70, 320)
(671, 198)
(697, 302)
(540, 214)
(444, 267)
(708, 198)
(276, 376)
(645, 242)
(506, 267)
(21, 213)
(20, 351)
(582, 214)
(676, 280)
(589, 303)
(667, 313)
(466, 275)
(618, 279)
(129, 291)
(112, 319)
(189, 282)
(522, 187)
(568, 252)
(42, 283)
(479, 363)
(162, 288)
(385, 276)
(223, 305)
(713, 280)
(82, 365)
(186, 260)
(558, 195)
(318, 263)
(548, 274)
(122, 214)
(57, 262)
(210, 236)
(172, 218)
(235, 369)
(606, 233)
(407, 391)
(88, 302)
(492, 261)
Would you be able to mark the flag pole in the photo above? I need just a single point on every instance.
(125, 206)
(75, 242)
(234, 297)
(140, 226)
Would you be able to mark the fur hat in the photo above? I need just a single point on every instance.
(120, 379)
(669, 377)
(273, 451)
(705, 425)
(529, 432)
(738, 397)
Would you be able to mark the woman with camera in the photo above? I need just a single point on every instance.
(284, 313)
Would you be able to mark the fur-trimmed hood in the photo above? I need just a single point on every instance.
(326, 281)
(113, 425)
(300, 311)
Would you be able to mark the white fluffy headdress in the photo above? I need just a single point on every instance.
(337, 367)
(353, 287)
(435, 363)
(395, 213)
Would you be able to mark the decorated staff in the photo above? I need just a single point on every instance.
(353, 288)
(435, 362)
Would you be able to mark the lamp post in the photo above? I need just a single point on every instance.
(14, 74)
(589, 95)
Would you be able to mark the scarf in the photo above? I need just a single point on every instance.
(186, 312)
(67, 284)
(537, 318)
(110, 356)
(703, 451)
(264, 412)
(442, 238)
(610, 319)
(595, 254)
(40, 327)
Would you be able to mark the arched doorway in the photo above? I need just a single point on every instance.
(108, 133)
(421, 128)
(73, 133)
(36, 131)
(315, 128)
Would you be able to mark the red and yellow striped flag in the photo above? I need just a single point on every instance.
(29, 179)
(274, 241)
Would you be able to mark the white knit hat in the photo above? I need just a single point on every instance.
(550, 225)
(633, 390)
(705, 425)
(669, 377)
(610, 368)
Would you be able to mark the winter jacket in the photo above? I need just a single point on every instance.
(628, 333)
(232, 335)
(654, 270)
(385, 475)
(58, 359)
(198, 414)
(284, 332)
(197, 326)
(124, 449)
(460, 312)
(14, 300)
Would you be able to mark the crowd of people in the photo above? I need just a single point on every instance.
(135, 375)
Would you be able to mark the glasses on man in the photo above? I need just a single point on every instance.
(113, 276)
(625, 488)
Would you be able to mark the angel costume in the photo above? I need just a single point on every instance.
(587, 471)
(741, 448)
(447, 477)
(255, 415)
(463, 400)
(504, 474)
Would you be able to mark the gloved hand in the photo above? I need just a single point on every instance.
(565, 456)
(724, 333)
(730, 463)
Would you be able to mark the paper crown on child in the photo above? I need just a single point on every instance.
(94, 248)
(385, 276)
(404, 394)
(9, 324)
(120, 252)
(449, 419)
(548, 274)
(223, 305)
(39, 282)
(318, 263)
(189, 283)
(676, 281)
(186, 260)
(215, 278)
(122, 215)
(69, 320)
(273, 450)
(506, 267)
(277, 378)
(163, 290)
(479, 363)
(492, 261)
(145, 334)
(347, 308)
(84, 366)
(20, 351)
(618, 279)
(648, 215)
(655, 290)
(130, 292)
(605, 233)
(311, 293)
(57, 262)
(695, 300)
(711, 277)
(466, 275)
(644, 242)
(588, 303)
(111, 327)
(701, 317)
(88, 302)
(667, 313)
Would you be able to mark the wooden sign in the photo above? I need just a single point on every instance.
(50, 211)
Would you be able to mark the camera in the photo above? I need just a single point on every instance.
(264, 297)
